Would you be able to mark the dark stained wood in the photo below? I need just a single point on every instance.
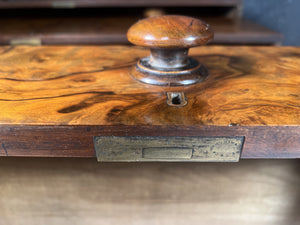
(77, 141)
(112, 3)
(112, 30)
(170, 31)
(242, 31)
(55, 99)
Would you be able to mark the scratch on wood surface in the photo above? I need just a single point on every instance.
(4, 147)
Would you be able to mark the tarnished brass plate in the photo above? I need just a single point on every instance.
(26, 41)
(63, 4)
(149, 148)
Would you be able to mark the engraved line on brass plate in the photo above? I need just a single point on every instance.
(150, 148)
(167, 153)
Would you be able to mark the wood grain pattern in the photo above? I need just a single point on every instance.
(92, 86)
(170, 31)
(55, 99)
(112, 30)
(82, 191)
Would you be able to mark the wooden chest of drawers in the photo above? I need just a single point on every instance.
(55, 99)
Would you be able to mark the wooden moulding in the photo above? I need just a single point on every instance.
(77, 141)
(112, 30)
(113, 3)
(55, 99)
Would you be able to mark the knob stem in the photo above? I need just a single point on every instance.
(169, 59)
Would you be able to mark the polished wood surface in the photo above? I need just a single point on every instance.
(170, 31)
(82, 191)
(112, 30)
(92, 86)
(55, 99)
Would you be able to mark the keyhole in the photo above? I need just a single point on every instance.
(176, 99)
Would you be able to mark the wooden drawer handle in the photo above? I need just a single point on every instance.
(169, 39)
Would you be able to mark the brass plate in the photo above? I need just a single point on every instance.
(63, 4)
(180, 149)
(26, 41)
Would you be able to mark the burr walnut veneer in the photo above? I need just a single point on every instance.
(54, 99)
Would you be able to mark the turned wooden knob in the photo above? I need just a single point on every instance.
(169, 38)
(170, 31)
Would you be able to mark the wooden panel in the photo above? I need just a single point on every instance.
(247, 86)
(110, 3)
(55, 99)
(112, 30)
(81, 191)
